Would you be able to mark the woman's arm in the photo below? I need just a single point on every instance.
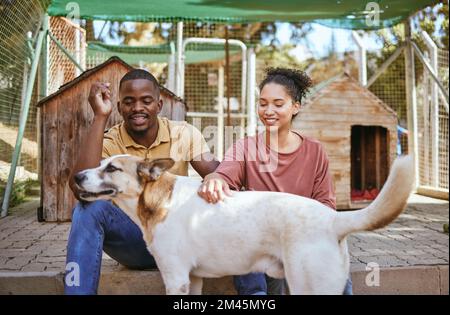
(230, 173)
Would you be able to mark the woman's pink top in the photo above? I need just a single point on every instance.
(249, 164)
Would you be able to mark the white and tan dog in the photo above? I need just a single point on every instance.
(280, 234)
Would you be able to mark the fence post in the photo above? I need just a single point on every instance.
(171, 73)
(220, 113)
(251, 102)
(411, 105)
(180, 62)
(43, 92)
(362, 62)
(434, 109)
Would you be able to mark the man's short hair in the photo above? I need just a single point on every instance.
(139, 74)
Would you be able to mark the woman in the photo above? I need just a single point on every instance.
(277, 159)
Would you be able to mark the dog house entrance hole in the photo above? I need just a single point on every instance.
(369, 161)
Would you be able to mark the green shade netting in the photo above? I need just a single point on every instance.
(334, 13)
(195, 53)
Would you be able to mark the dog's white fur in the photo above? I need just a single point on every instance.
(280, 234)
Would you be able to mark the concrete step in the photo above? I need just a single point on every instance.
(34, 190)
(118, 280)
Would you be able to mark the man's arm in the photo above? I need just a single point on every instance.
(205, 164)
(100, 101)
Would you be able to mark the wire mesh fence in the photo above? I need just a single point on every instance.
(432, 119)
(443, 73)
(202, 64)
(204, 88)
(20, 22)
(390, 88)
(443, 146)
(60, 68)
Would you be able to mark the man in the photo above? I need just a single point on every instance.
(101, 226)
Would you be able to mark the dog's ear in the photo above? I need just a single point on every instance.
(152, 170)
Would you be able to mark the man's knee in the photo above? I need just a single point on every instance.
(91, 210)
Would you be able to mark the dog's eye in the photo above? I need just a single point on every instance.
(111, 168)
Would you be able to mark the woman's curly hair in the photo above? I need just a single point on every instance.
(296, 82)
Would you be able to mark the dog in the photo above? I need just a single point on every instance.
(280, 234)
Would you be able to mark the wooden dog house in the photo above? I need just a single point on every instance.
(359, 133)
(65, 120)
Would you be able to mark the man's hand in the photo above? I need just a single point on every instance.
(100, 99)
(214, 188)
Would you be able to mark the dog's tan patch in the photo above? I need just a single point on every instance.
(151, 202)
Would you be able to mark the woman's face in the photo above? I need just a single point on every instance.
(275, 106)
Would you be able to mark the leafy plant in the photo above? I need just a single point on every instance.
(20, 191)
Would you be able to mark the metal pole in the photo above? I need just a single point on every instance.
(434, 109)
(23, 121)
(171, 72)
(243, 92)
(180, 62)
(251, 86)
(411, 105)
(362, 62)
(220, 115)
(227, 74)
(425, 143)
(78, 47)
(43, 67)
(43, 92)
(213, 115)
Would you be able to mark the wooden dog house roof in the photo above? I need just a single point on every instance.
(86, 74)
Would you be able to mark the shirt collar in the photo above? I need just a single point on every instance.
(162, 136)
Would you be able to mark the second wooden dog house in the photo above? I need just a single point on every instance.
(66, 117)
(359, 133)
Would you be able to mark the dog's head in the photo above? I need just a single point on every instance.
(120, 176)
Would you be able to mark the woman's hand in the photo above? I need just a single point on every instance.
(214, 188)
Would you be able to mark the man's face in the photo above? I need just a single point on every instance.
(139, 104)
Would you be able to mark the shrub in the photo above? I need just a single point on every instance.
(19, 191)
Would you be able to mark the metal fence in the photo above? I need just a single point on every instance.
(206, 85)
(20, 22)
(60, 68)
(443, 72)
(433, 131)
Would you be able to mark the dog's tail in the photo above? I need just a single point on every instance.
(386, 207)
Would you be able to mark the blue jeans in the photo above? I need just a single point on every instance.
(261, 284)
(96, 227)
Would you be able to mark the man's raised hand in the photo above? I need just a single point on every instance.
(100, 99)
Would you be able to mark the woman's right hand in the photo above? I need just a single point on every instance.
(214, 188)
(100, 99)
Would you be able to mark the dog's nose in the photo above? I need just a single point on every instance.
(79, 177)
